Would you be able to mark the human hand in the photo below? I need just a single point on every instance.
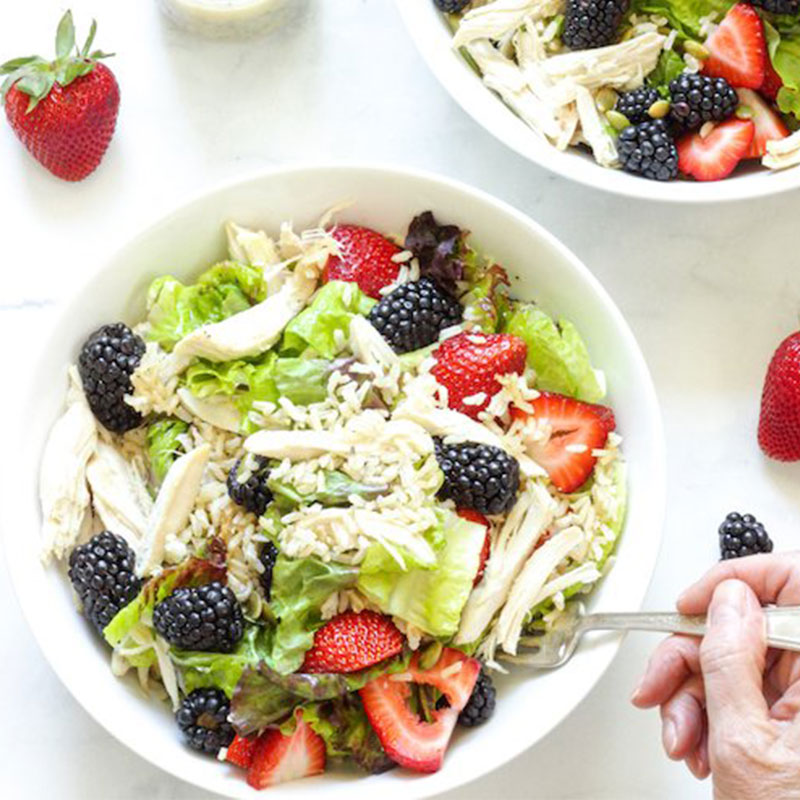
(729, 705)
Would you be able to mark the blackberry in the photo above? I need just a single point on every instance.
(592, 23)
(411, 316)
(778, 6)
(451, 6)
(203, 718)
(480, 706)
(252, 493)
(478, 476)
(101, 572)
(648, 150)
(742, 535)
(635, 105)
(107, 360)
(205, 618)
(268, 556)
(699, 98)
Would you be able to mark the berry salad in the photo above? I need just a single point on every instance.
(320, 492)
(659, 88)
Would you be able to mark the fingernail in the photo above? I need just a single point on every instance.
(729, 603)
(669, 736)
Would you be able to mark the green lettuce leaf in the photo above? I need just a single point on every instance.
(430, 598)
(669, 66)
(683, 15)
(316, 327)
(785, 53)
(163, 447)
(174, 309)
(139, 612)
(222, 670)
(486, 301)
(556, 353)
(338, 488)
(299, 588)
(264, 696)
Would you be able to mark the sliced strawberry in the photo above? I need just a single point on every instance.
(738, 48)
(407, 739)
(772, 82)
(466, 365)
(716, 155)
(476, 516)
(366, 259)
(353, 641)
(575, 430)
(278, 758)
(240, 751)
(768, 125)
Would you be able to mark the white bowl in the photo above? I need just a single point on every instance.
(432, 36)
(189, 239)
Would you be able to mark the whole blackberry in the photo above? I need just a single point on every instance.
(101, 572)
(107, 360)
(742, 535)
(411, 316)
(592, 23)
(480, 706)
(247, 484)
(778, 6)
(203, 718)
(206, 618)
(699, 98)
(268, 556)
(478, 476)
(451, 6)
(648, 150)
(635, 104)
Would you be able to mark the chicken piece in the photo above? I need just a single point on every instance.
(63, 492)
(369, 347)
(497, 19)
(593, 130)
(217, 411)
(296, 445)
(174, 504)
(783, 153)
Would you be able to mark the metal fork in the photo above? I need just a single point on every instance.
(556, 647)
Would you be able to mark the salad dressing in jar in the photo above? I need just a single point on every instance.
(223, 18)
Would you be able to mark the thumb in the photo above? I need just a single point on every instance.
(732, 657)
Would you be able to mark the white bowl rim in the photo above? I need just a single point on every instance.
(435, 783)
(489, 111)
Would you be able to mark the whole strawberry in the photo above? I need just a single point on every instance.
(63, 111)
(466, 365)
(779, 423)
(366, 259)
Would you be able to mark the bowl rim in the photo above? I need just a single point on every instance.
(15, 555)
(491, 113)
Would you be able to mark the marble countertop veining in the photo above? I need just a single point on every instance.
(708, 291)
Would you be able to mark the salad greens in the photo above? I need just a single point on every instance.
(163, 445)
(337, 491)
(174, 309)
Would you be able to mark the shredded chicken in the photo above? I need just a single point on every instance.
(783, 153)
(502, 17)
(369, 346)
(295, 445)
(593, 130)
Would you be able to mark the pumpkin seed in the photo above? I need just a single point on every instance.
(606, 99)
(659, 109)
(430, 655)
(617, 121)
(696, 49)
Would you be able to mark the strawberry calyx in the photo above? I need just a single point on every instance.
(36, 76)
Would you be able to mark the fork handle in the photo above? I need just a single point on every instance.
(782, 623)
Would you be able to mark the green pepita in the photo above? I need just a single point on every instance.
(430, 655)
(617, 121)
(696, 49)
(606, 99)
(659, 109)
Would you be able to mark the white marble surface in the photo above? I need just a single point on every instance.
(709, 293)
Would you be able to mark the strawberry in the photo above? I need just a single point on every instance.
(576, 429)
(779, 423)
(63, 111)
(240, 751)
(278, 758)
(715, 156)
(772, 82)
(353, 641)
(406, 738)
(366, 259)
(768, 125)
(476, 516)
(738, 48)
(466, 365)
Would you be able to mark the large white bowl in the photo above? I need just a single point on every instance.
(191, 238)
(432, 36)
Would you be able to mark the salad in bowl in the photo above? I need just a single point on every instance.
(659, 89)
(319, 493)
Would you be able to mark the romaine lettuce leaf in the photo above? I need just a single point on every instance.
(163, 446)
(486, 302)
(668, 67)
(556, 353)
(338, 488)
(174, 309)
(430, 598)
(325, 324)
(683, 15)
(299, 588)
(785, 52)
